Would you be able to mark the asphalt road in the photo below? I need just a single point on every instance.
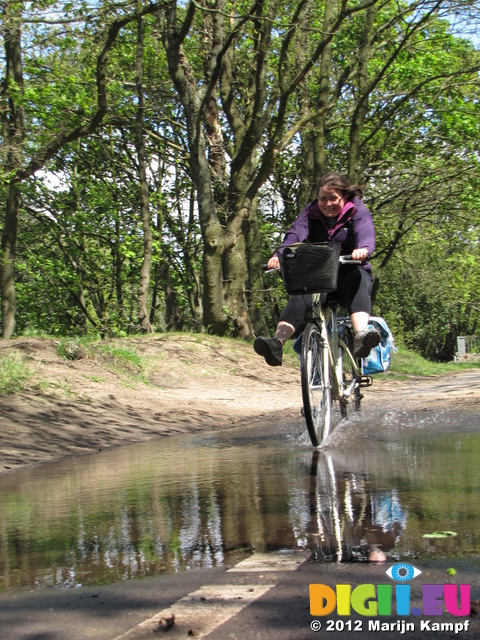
(264, 597)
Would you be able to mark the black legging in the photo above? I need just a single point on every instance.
(353, 292)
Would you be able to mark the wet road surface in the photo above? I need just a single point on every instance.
(163, 510)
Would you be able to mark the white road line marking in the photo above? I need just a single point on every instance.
(202, 611)
(271, 562)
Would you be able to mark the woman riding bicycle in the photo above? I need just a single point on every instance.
(337, 215)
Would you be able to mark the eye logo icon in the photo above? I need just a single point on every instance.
(403, 572)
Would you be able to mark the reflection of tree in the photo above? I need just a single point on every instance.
(141, 514)
(200, 534)
(5, 561)
(349, 520)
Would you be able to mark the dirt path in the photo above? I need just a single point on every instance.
(194, 383)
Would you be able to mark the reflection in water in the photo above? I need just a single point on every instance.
(202, 501)
(353, 522)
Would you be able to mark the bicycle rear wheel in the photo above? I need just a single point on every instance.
(349, 375)
(316, 388)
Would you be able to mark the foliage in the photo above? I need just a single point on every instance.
(388, 94)
(431, 292)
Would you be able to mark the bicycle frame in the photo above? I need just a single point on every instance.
(327, 320)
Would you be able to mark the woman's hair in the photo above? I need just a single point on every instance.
(340, 183)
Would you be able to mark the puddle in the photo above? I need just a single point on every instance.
(185, 502)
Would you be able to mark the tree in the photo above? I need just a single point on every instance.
(431, 293)
(145, 271)
(13, 129)
(236, 83)
(27, 147)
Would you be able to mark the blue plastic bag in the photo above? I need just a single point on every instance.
(378, 360)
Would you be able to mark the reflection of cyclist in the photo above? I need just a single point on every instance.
(355, 523)
(336, 215)
(378, 528)
(387, 522)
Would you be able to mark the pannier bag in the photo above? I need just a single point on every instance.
(378, 360)
(310, 268)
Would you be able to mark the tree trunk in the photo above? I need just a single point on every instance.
(313, 137)
(173, 317)
(307, 168)
(13, 124)
(235, 273)
(145, 271)
(193, 280)
(9, 239)
(215, 318)
(324, 95)
(355, 164)
(256, 302)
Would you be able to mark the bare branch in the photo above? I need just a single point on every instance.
(50, 149)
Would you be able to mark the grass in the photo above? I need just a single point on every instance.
(122, 359)
(47, 386)
(97, 378)
(126, 361)
(410, 363)
(15, 374)
(289, 353)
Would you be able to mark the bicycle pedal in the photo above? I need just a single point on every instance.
(365, 381)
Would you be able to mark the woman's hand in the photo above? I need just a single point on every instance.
(273, 263)
(359, 254)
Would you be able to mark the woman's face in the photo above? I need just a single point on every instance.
(330, 201)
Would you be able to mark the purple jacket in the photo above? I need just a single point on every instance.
(354, 229)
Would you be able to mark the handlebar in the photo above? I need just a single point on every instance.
(349, 260)
(343, 260)
(267, 270)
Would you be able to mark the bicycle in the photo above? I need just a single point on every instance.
(329, 371)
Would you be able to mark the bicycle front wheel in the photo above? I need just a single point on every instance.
(316, 388)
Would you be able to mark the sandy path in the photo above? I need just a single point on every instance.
(195, 384)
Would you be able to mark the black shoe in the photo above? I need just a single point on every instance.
(270, 349)
(364, 341)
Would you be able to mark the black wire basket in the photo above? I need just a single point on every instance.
(310, 268)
